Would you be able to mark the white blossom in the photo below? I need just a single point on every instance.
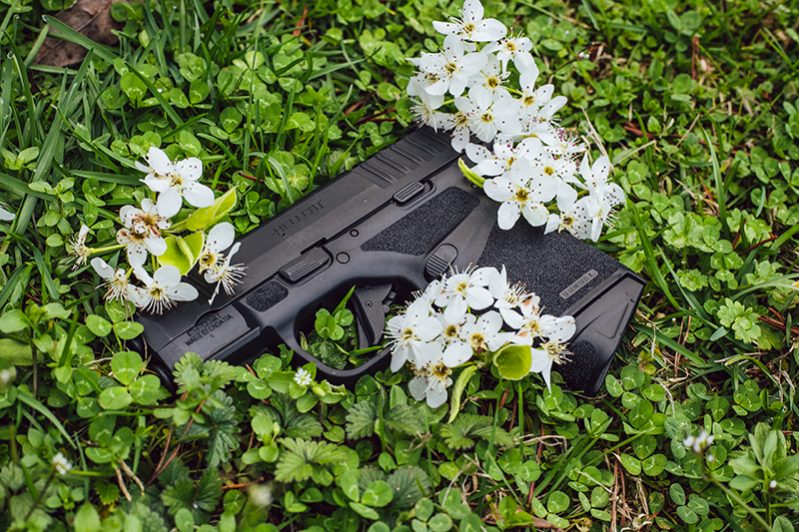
(516, 49)
(488, 116)
(451, 69)
(181, 176)
(115, 281)
(425, 107)
(699, 443)
(556, 331)
(302, 377)
(225, 274)
(142, 232)
(430, 384)
(78, 246)
(472, 26)
(162, 290)
(522, 192)
(411, 336)
(61, 464)
(463, 291)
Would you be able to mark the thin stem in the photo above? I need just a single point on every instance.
(40, 494)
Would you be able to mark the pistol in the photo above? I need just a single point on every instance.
(403, 217)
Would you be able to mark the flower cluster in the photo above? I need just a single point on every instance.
(61, 464)
(150, 239)
(532, 166)
(472, 314)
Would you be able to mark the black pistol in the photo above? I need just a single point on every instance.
(392, 224)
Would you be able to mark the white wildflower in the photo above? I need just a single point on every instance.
(522, 192)
(162, 290)
(115, 281)
(472, 26)
(302, 377)
(412, 336)
(77, 245)
(225, 274)
(699, 443)
(61, 464)
(142, 232)
(181, 176)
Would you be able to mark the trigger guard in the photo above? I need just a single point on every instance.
(370, 314)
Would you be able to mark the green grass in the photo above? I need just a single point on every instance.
(696, 104)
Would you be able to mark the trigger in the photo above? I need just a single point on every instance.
(371, 305)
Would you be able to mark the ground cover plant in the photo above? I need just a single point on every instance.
(695, 104)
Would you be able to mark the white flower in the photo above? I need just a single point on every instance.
(572, 216)
(504, 155)
(181, 176)
(426, 105)
(7, 376)
(508, 298)
(431, 383)
(463, 291)
(472, 26)
(115, 281)
(562, 143)
(78, 246)
(143, 227)
(162, 290)
(61, 464)
(596, 182)
(302, 377)
(489, 80)
(456, 346)
(522, 192)
(412, 336)
(460, 131)
(516, 49)
(487, 116)
(699, 443)
(537, 105)
(225, 274)
(484, 334)
(6, 216)
(772, 484)
(451, 69)
(219, 238)
(556, 330)
(260, 495)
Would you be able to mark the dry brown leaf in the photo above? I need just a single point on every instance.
(93, 19)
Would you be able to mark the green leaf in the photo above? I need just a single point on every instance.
(87, 519)
(114, 398)
(98, 325)
(202, 219)
(132, 86)
(126, 366)
(470, 174)
(15, 353)
(182, 252)
(514, 361)
(128, 330)
(377, 494)
(457, 390)
(361, 419)
(13, 321)
(364, 511)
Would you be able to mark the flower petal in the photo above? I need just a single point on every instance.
(445, 28)
(489, 29)
(183, 292)
(507, 215)
(158, 161)
(169, 203)
(167, 276)
(456, 354)
(190, 169)
(137, 254)
(198, 195)
(102, 268)
(479, 298)
(221, 236)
